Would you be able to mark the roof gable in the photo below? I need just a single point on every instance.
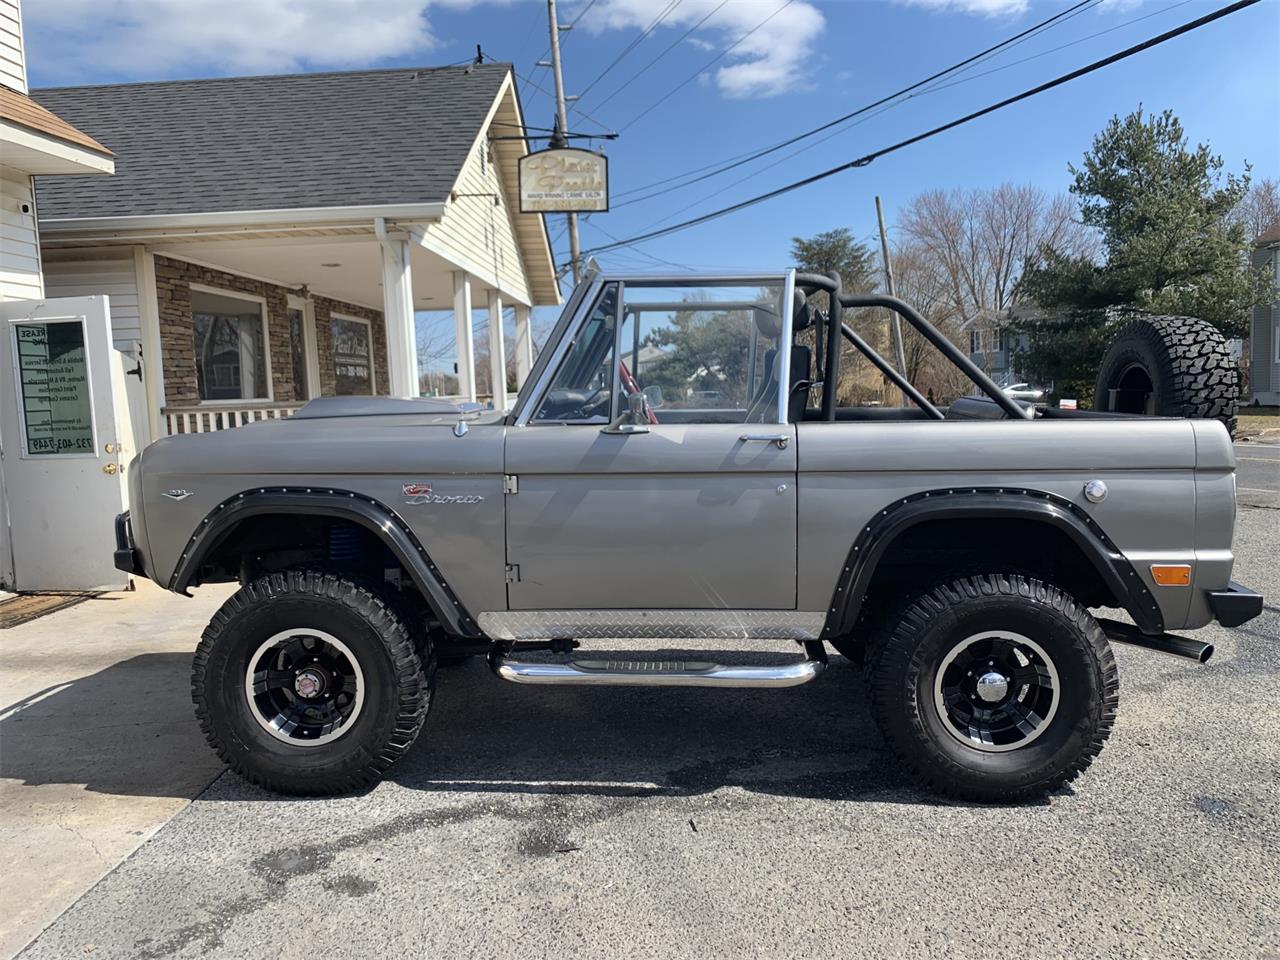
(273, 142)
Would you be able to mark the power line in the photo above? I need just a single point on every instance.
(706, 66)
(635, 42)
(675, 43)
(743, 159)
(901, 144)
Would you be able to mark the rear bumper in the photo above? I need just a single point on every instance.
(1235, 605)
(127, 557)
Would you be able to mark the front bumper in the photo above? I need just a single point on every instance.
(1235, 605)
(127, 556)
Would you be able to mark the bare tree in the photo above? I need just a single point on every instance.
(1259, 209)
(978, 242)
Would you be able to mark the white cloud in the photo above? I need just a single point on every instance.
(770, 61)
(158, 38)
(986, 8)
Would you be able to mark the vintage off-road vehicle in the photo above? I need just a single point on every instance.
(677, 466)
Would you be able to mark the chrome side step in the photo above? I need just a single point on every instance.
(659, 673)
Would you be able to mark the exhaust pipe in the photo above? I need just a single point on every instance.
(1163, 643)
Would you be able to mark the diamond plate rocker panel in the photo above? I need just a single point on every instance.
(652, 625)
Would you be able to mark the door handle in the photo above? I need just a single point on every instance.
(779, 438)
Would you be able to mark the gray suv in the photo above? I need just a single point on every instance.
(678, 467)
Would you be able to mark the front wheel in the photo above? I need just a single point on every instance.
(995, 687)
(309, 683)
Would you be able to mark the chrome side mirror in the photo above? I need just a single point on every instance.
(635, 419)
(653, 396)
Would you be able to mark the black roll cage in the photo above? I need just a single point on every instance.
(829, 347)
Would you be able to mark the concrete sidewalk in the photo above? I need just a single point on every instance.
(98, 745)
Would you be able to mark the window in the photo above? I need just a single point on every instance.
(582, 389)
(352, 356)
(230, 346)
(703, 354)
(298, 352)
(975, 341)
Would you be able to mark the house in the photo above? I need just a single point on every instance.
(269, 239)
(994, 347)
(1264, 338)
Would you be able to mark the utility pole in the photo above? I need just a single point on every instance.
(894, 319)
(562, 128)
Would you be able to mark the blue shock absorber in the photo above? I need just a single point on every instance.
(344, 545)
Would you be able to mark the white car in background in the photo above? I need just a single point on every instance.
(1028, 392)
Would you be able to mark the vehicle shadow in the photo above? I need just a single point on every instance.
(816, 741)
(128, 729)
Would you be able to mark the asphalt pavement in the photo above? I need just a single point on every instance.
(645, 823)
(1258, 473)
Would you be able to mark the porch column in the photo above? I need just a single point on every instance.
(497, 352)
(397, 313)
(524, 345)
(462, 327)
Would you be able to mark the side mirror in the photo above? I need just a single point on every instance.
(653, 396)
(635, 419)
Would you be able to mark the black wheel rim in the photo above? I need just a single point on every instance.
(304, 687)
(996, 691)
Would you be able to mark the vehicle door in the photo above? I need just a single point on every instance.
(653, 465)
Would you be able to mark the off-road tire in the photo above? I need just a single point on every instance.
(399, 682)
(903, 665)
(1185, 359)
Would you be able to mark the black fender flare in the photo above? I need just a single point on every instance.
(1035, 506)
(374, 516)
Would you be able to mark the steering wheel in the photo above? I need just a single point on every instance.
(631, 386)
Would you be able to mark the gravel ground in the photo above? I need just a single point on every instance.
(632, 822)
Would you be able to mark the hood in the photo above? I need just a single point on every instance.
(328, 408)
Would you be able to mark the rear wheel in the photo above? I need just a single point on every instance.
(995, 687)
(309, 683)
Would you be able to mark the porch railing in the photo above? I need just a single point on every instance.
(205, 419)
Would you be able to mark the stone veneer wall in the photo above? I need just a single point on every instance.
(177, 336)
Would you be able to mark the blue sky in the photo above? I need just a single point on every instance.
(811, 62)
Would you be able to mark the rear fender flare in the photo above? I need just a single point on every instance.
(374, 516)
(1036, 506)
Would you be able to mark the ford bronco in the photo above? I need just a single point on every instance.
(678, 466)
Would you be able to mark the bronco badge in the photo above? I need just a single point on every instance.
(419, 492)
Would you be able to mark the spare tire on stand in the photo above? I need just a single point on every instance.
(1169, 367)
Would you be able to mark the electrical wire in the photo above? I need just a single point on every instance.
(935, 131)
(675, 43)
(635, 42)
(743, 159)
(705, 67)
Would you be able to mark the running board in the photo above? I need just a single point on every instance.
(658, 673)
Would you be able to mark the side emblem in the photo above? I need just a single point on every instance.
(418, 492)
(177, 494)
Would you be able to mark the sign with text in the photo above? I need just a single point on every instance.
(564, 180)
(53, 382)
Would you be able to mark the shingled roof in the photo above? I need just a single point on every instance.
(273, 142)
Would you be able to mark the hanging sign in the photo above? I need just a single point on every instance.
(564, 180)
(53, 372)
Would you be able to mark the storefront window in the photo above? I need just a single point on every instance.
(352, 357)
(230, 347)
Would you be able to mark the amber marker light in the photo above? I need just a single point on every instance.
(1171, 574)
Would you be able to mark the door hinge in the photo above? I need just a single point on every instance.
(510, 484)
(513, 573)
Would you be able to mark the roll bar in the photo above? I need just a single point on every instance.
(836, 327)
